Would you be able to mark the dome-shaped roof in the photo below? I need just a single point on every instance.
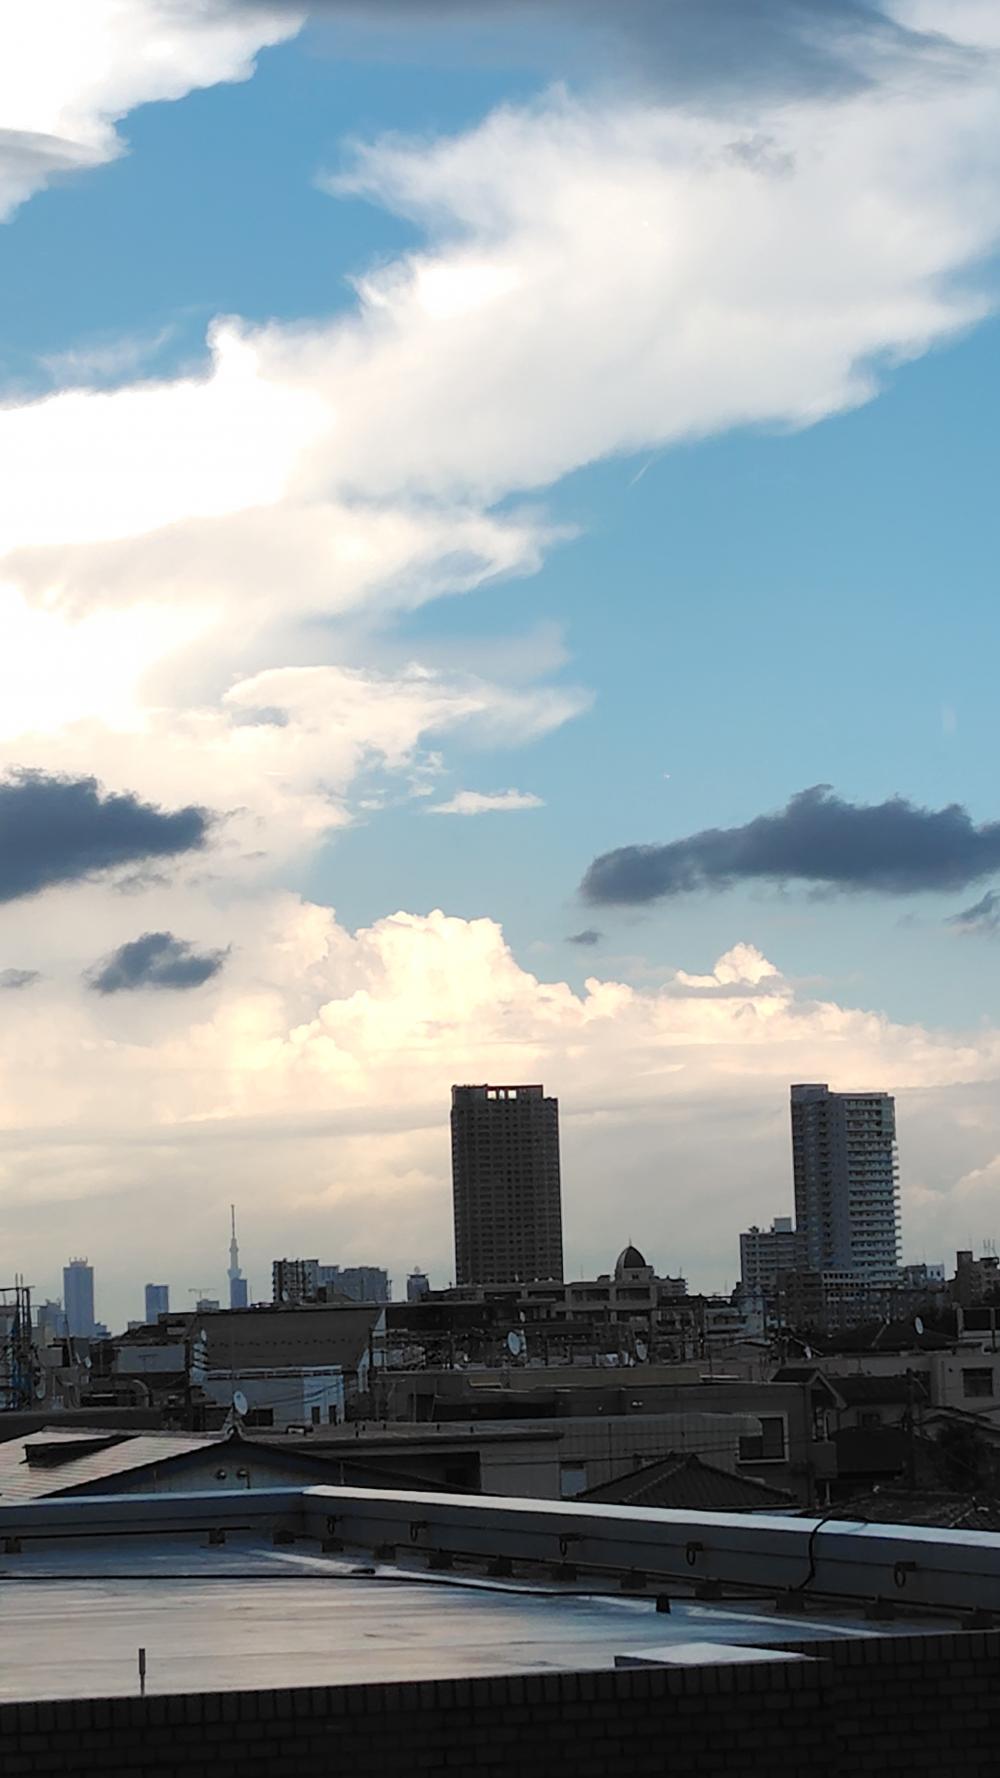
(629, 1260)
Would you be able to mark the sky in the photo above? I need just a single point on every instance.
(497, 582)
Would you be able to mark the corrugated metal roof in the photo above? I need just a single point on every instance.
(23, 1480)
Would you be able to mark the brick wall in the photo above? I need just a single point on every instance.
(909, 1704)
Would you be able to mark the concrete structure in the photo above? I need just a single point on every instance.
(78, 1297)
(275, 1643)
(350, 1338)
(922, 1277)
(846, 1182)
(620, 1313)
(506, 1184)
(363, 1284)
(238, 1292)
(418, 1286)
(294, 1281)
(157, 1301)
(975, 1279)
(281, 1396)
(767, 1256)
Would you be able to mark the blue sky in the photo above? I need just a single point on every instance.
(750, 549)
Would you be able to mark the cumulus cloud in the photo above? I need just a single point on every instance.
(595, 277)
(69, 72)
(588, 937)
(156, 960)
(893, 847)
(982, 918)
(18, 978)
(327, 1063)
(59, 830)
(486, 802)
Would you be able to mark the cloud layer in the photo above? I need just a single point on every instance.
(60, 830)
(156, 960)
(893, 847)
(323, 1059)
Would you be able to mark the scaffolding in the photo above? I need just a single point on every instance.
(18, 1362)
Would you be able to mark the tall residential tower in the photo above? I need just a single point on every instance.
(505, 1184)
(78, 1298)
(846, 1183)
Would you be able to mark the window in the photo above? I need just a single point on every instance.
(572, 1479)
(767, 1445)
(978, 1382)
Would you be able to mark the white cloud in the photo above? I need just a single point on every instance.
(323, 1059)
(594, 279)
(180, 563)
(70, 69)
(483, 802)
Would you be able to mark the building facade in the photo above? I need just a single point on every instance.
(78, 1298)
(506, 1185)
(418, 1286)
(363, 1284)
(766, 1255)
(294, 1281)
(157, 1301)
(846, 1183)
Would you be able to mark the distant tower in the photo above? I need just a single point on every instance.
(157, 1301)
(505, 1185)
(418, 1286)
(78, 1297)
(237, 1282)
(846, 1182)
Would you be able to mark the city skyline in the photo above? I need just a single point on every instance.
(496, 582)
(830, 1232)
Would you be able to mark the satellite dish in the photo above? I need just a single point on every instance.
(918, 1326)
(514, 1343)
(641, 1351)
(808, 1351)
(240, 1402)
(40, 1389)
(203, 1335)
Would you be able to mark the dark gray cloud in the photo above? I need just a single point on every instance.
(156, 960)
(893, 847)
(589, 936)
(686, 47)
(18, 978)
(60, 830)
(982, 918)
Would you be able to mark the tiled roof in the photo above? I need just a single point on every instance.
(891, 1506)
(66, 1461)
(856, 1391)
(686, 1483)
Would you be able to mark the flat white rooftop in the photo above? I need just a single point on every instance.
(250, 1615)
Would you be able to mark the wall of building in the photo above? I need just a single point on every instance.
(921, 1704)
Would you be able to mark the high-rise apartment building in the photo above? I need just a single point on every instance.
(767, 1254)
(157, 1301)
(78, 1298)
(294, 1280)
(846, 1182)
(505, 1184)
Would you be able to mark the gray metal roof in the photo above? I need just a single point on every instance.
(66, 1461)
